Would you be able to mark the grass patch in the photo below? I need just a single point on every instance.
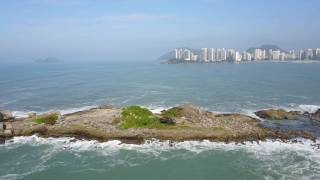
(172, 113)
(47, 119)
(138, 117)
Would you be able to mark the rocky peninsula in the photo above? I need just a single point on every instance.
(135, 124)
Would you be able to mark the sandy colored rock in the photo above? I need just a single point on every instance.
(5, 115)
(278, 114)
(192, 123)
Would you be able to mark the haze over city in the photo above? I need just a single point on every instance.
(78, 30)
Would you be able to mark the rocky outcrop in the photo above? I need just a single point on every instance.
(278, 114)
(180, 123)
(313, 116)
(5, 115)
(316, 115)
(6, 129)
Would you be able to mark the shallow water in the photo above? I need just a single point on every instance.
(217, 87)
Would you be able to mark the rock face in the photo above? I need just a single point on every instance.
(278, 114)
(316, 115)
(5, 115)
(313, 116)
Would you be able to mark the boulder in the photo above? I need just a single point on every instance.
(5, 115)
(168, 121)
(278, 114)
(316, 115)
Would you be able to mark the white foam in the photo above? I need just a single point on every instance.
(20, 114)
(309, 108)
(269, 153)
(24, 114)
(156, 109)
(155, 145)
(73, 110)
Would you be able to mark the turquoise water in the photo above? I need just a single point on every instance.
(218, 87)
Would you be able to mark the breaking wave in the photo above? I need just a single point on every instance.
(293, 158)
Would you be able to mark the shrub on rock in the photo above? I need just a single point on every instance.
(49, 119)
(138, 117)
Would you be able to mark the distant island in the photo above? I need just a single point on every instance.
(217, 55)
(48, 60)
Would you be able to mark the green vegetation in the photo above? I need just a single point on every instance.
(138, 117)
(47, 119)
(172, 113)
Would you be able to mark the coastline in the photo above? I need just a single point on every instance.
(178, 61)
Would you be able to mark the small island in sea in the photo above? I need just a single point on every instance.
(48, 60)
(135, 124)
(220, 55)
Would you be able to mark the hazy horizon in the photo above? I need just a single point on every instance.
(128, 30)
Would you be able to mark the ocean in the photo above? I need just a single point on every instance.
(243, 88)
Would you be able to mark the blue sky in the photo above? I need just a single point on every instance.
(145, 29)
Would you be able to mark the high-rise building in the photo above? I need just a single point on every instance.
(231, 54)
(187, 54)
(212, 54)
(269, 54)
(263, 54)
(246, 56)
(223, 54)
(194, 57)
(219, 54)
(309, 54)
(257, 54)
(301, 55)
(178, 53)
(249, 57)
(276, 55)
(318, 53)
(291, 55)
(238, 56)
(204, 54)
(282, 56)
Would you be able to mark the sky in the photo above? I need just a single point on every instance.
(119, 30)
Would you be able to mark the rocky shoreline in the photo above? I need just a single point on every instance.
(180, 123)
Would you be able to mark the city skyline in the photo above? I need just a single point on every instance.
(253, 54)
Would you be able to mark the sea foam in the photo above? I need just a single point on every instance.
(270, 153)
(157, 146)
